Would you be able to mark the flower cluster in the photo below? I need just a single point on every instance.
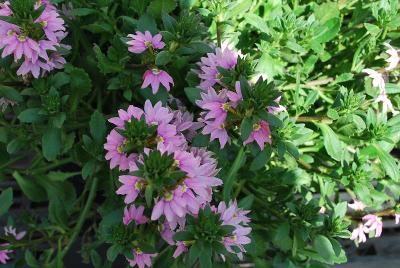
(371, 223)
(173, 179)
(33, 40)
(224, 106)
(379, 82)
(145, 42)
(9, 231)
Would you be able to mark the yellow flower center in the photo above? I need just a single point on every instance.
(233, 237)
(168, 196)
(222, 126)
(155, 71)
(225, 106)
(147, 43)
(159, 139)
(43, 23)
(22, 38)
(256, 127)
(138, 185)
(218, 76)
(120, 148)
(176, 163)
(138, 251)
(184, 188)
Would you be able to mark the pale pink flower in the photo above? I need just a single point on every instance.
(377, 78)
(397, 218)
(233, 215)
(217, 131)
(235, 97)
(141, 42)
(19, 45)
(134, 214)
(131, 187)
(156, 76)
(216, 105)
(357, 205)
(172, 205)
(261, 134)
(166, 233)
(238, 239)
(274, 109)
(156, 115)
(358, 234)
(386, 103)
(33, 67)
(9, 230)
(373, 223)
(53, 25)
(124, 116)
(394, 59)
(322, 210)
(140, 259)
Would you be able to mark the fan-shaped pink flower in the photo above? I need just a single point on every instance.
(357, 205)
(131, 187)
(124, 116)
(156, 76)
(261, 134)
(4, 258)
(134, 214)
(115, 153)
(157, 114)
(217, 131)
(373, 223)
(9, 230)
(180, 248)
(53, 25)
(217, 105)
(397, 218)
(140, 259)
(141, 42)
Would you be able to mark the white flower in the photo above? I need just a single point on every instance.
(394, 59)
(357, 205)
(377, 79)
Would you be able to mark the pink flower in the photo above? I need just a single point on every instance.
(217, 105)
(134, 214)
(140, 259)
(19, 45)
(234, 216)
(154, 77)
(5, 9)
(235, 97)
(261, 134)
(141, 42)
(180, 248)
(166, 233)
(209, 73)
(156, 115)
(386, 103)
(9, 230)
(394, 59)
(4, 253)
(115, 152)
(217, 131)
(184, 123)
(124, 116)
(34, 68)
(357, 205)
(373, 223)
(131, 187)
(172, 205)
(53, 25)
(358, 233)
(274, 109)
(397, 218)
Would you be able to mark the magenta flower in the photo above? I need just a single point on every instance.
(134, 214)
(358, 233)
(141, 42)
(171, 205)
(4, 253)
(140, 259)
(156, 115)
(397, 218)
(209, 73)
(357, 205)
(217, 131)
(19, 45)
(261, 134)
(180, 248)
(53, 25)
(236, 217)
(217, 105)
(131, 187)
(115, 153)
(156, 76)
(373, 223)
(125, 116)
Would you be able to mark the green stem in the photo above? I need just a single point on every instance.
(232, 173)
(219, 33)
(12, 161)
(82, 217)
(51, 166)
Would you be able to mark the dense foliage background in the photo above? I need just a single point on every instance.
(334, 136)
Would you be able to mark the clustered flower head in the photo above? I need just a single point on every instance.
(145, 42)
(9, 231)
(379, 82)
(34, 45)
(171, 178)
(222, 104)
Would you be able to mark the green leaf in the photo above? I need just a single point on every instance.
(157, 7)
(105, 64)
(193, 94)
(230, 178)
(32, 189)
(261, 159)
(327, 31)
(163, 58)
(148, 194)
(51, 143)
(388, 163)
(81, 12)
(30, 115)
(206, 257)
(10, 93)
(324, 248)
(61, 176)
(246, 127)
(332, 143)
(257, 22)
(183, 236)
(113, 252)
(89, 169)
(6, 200)
(31, 260)
(98, 127)
(246, 202)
